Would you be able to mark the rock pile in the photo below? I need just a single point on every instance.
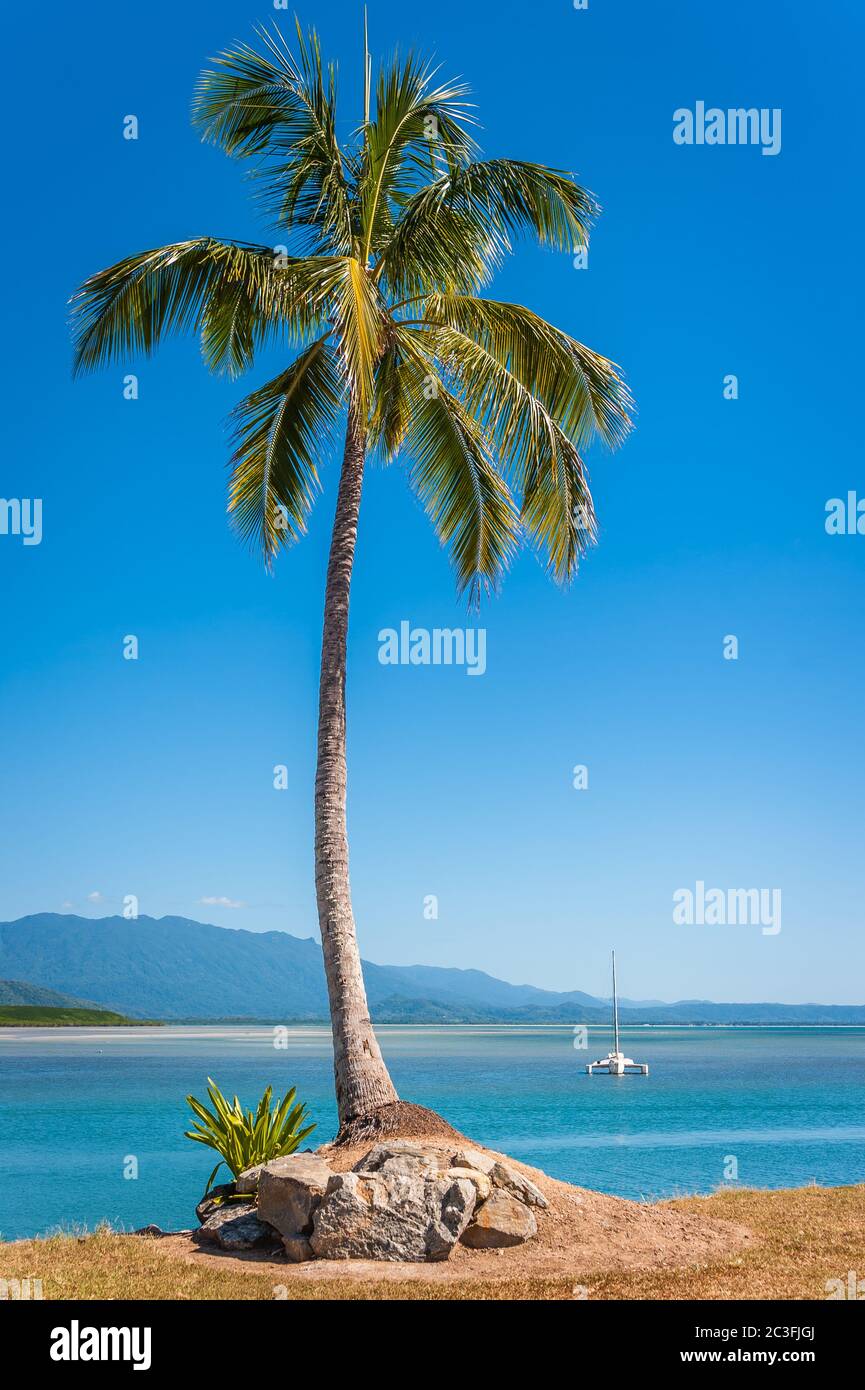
(402, 1201)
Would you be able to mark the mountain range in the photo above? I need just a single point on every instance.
(173, 968)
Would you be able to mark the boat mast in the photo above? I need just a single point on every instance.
(615, 1008)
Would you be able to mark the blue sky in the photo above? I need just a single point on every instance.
(155, 777)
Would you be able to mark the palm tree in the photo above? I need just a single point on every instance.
(386, 241)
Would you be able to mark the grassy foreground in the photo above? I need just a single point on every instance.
(806, 1236)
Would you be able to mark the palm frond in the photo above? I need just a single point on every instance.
(393, 396)
(557, 510)
(527, 440)
(453, 232)
(280, 431)
(233, 293)
(283, 110)
(246, 95)
(583, 391)
(452, 470)
(419, 128)
(519, 197)
(436, 246)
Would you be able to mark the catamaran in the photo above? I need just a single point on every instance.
(616, 1063)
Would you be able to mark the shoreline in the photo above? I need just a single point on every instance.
(495, 1024)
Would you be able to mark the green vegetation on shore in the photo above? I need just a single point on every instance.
(34, 1016)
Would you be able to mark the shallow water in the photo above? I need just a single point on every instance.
(786, 1106)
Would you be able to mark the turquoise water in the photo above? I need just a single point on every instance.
(787, 1104)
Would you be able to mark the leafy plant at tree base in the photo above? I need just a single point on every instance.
(245, 1139)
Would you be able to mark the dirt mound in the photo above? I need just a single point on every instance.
(581, 1232)
(401, 1120)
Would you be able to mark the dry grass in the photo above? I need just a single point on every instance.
(805, 1236)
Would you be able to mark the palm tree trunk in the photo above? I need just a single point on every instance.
(362, 1080)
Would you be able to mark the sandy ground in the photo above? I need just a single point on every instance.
(581, 1232)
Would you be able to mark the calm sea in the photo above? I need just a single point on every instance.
(776, 1107)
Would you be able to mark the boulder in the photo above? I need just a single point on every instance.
(410, 1166)
(453, 1201)
(501, 1221)
(391, 1215)
(235, 1226)
(289, 1190)
(480, 1182)
(404, 1156)
(518, 1186)
(473, 1158)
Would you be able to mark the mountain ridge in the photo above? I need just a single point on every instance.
(176, 968)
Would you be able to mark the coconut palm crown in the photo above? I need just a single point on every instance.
(382, 246)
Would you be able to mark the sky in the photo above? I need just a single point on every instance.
(154, 777)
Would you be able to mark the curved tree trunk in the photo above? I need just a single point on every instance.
(362, 1080)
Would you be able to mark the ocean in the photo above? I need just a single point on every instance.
(758, 1107)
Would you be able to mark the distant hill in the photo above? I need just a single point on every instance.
(21, 992)
(173, 968)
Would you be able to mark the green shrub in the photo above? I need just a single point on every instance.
(243, 1138)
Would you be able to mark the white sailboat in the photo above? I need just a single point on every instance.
(616, 1063)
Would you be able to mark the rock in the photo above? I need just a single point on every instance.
(213, 1200)
(458, 1202)
(150, 1231)
(501, 1221)
(298, 1249)
(473, 1158)
(518, 1186)
(411, 1166)
(404, 1156)
(289, 1191)
(248, 1180)
(382, 1215)
(235, 1226)
(481, 1183)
